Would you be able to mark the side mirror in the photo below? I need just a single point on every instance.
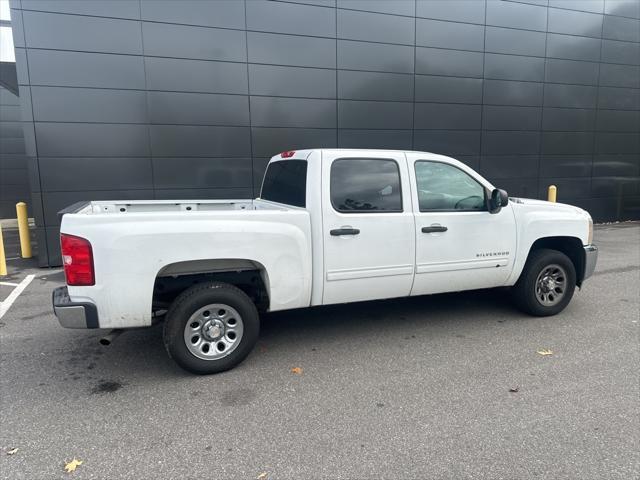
(499, 198)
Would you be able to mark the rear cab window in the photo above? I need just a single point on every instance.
(285, 181)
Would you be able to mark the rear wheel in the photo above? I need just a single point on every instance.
(546, 284)
(211, 327)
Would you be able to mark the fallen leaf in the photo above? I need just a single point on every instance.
(514, 390)
(13, 451)
(297, 370)
(545, 351)
(262, 476)
(72, 465)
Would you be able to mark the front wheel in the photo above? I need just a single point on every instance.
(211, 327)
(546, 284)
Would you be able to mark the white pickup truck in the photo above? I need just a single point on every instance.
(330, 226)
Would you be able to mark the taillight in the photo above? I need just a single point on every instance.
(77, 258)
(288, 154)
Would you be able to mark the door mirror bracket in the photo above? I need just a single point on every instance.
(499, 198)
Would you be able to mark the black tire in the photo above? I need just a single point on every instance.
(190, 301)
(524, 291)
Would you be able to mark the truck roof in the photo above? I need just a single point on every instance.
(305, 153)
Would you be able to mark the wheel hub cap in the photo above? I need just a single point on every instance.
(213, 331)
(551, 285)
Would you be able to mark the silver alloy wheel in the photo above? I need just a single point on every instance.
(213, 331)
(551, 285)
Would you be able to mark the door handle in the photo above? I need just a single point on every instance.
(434, 228)
(344, 231)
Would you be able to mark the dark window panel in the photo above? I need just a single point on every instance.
(618, 28)
(201, 172)
(434, 61)
(572, 47)
(594, 6)
(469, 11)
(395, 7)
(198, 43)
(567, 143)
(623, 8)
(268, 142)
(568, 119)
(570, 71)
(292, 112)
(199, 141)
(516, 42)
(441, 34)
(375, 86)
(509, 166)
(375, 27)
(203, 76)
(519, 187)
(100, 9)
(618, 186)
(619, 75)
(619, 98)
(502, 143)
(281, 17)
(221, 13)
(292, 81)
(616, 142)
(619, 120)
(500, 92)
(291, 50)
(96, 173)
(568, 188)
(286, 182)
(375, 56)
(512, 67)
(74, 32)
(385, 139)
(384, 115)
(575, 23)
(91, 139)
(621, 52)
(448, 89)
(197, 109)
(203, 193)
(516, 15)
(62, 104)
(75, 69)
(627, 165)
(565, 165)
(452, 143)
(511, 118)
(572, 96)
(445, 116)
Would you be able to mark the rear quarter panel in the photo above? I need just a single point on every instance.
(130, 249)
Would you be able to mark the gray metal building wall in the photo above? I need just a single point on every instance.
(14, 179)
(188, 99)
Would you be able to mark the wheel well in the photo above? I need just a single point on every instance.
(248, 276)
(570, 246)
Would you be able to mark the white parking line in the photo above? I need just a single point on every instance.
(15, 293)
(8, 284)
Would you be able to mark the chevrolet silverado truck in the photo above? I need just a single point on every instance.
(330, 226)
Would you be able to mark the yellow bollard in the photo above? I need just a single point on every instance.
(23, 229)
(551, 196)
(3, 259)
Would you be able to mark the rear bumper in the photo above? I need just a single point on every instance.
(73, 314)
(590, 260)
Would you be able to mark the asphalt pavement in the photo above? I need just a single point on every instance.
(444, 387)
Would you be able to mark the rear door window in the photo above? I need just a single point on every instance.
(365, 185)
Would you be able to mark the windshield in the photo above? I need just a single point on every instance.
(285, 181)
